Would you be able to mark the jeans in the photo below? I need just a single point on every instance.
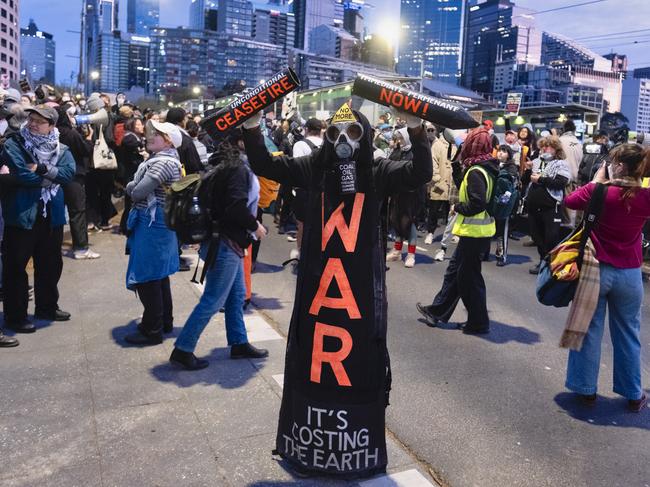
(621, 292)
(224, 287)
(446, 236)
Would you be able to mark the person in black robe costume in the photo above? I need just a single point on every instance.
(337, 370)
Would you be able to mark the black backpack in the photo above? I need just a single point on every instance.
(504, 196)
(190, 207)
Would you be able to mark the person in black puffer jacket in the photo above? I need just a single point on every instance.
(235, 208)
(74, 192)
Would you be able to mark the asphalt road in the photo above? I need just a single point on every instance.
(490, 410)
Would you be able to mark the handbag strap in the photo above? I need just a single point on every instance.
(591, 218)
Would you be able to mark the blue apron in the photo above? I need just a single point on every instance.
(153, 248)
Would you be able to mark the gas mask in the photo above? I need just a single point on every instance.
(346, 139)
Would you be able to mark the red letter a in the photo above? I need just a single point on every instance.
(334, 270)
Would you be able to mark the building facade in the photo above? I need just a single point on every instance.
(335, 42)
(98, 17)
(636, 99)
(430, 39)
(310, 14)
(38, 54)
(184, 58)
(274, 27)
(142, 15)
(317, 71)
(496, 31)
(558, 50)
(9, 41)
(199, 12)
(235, 17)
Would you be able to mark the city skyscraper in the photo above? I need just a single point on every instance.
(310, 14)
(274, 27)
(9, 42)
(198, 9)
(142, 15)
(235, 17)
(497, 34)
(38, 54)
(430, 38)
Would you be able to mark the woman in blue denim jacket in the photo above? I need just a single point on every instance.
(152, 246)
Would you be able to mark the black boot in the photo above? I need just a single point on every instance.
(535, 269)
(144, 340)
(6, 342)
(246, 350)
(187, 360)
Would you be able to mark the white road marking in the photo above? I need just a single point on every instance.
(259, 330)
(421, 249)
(408, 478)
(279, 378)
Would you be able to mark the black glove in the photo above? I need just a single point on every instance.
(41, 169)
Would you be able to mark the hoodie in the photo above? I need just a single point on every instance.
(81, 149)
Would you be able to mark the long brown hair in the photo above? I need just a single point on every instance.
(636, 160)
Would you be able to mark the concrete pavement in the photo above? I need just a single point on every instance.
(80, 408)
(490, 410)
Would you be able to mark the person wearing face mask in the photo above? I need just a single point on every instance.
(506, 189)
(618, 292)
(34, 216)
(342, 242)
(549, 176)
(152, 246)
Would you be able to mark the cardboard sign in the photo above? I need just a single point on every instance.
(218, 123)
(513, 103)
(435, 110)
(343, 115)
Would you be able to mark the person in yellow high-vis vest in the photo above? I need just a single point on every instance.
(475, 228)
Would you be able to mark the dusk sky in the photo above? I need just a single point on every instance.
(597, 18)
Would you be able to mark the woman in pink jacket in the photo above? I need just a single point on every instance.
(617, 242)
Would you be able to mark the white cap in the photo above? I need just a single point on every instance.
(169, 129)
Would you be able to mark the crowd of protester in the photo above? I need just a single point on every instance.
(50, 175)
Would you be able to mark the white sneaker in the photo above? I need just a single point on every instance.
(410, 260)
(294, 254)
(291, 238)
(85, 254)
(394, 255)
(428, 239)
(440, 255)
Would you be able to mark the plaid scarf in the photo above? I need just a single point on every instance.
(584, 302)
(45, 149)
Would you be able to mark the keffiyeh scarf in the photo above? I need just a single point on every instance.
(45, 149)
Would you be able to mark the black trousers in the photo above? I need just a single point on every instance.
(436, 211)
(544, 228)
(99, 188)
(156, 297)
(75, 199)
(463, 281)
(43, 244)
